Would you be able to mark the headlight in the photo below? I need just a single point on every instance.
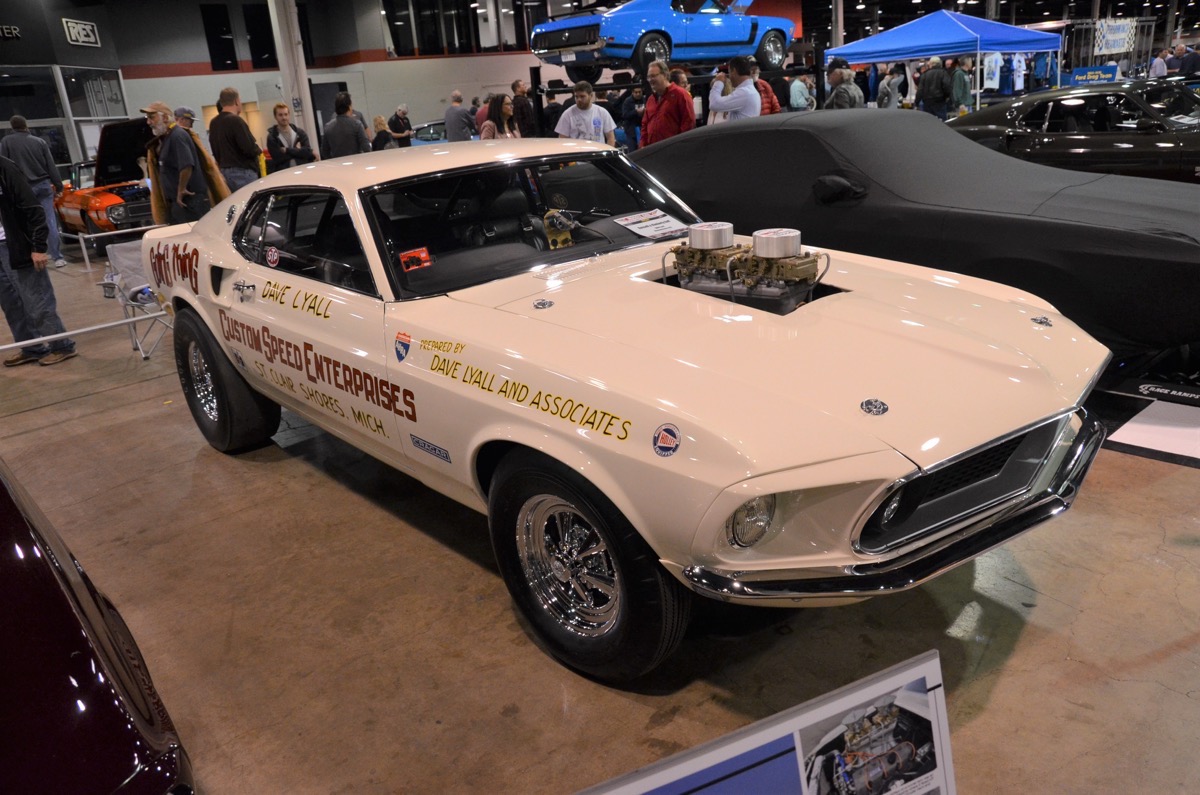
(118, 212)
(751, 521)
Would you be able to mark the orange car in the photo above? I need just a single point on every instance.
(109, 193)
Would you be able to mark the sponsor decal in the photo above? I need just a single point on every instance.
(428, 447)
(1174, 394)
(443, 346)
(565, 408)
(666, 440)
(415, 259)
(171, 261)
(273, 257)
(874, 406)
(310, 303)
(317, 368)
(238, 360)
(403, 343)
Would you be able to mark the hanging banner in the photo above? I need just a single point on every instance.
(1115, 36)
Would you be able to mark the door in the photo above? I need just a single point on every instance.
(1097, 132)
(307, 316)
(711, 30)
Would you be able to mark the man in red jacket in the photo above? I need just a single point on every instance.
(668, 109)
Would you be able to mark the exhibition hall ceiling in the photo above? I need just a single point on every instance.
(859, 15)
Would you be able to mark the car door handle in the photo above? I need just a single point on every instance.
(242, 289)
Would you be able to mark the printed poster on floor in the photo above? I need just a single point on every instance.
(887, 733)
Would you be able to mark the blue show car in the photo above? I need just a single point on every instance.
(621, 33)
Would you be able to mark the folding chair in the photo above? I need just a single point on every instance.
(125, 280)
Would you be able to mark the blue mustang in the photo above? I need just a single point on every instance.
(621, 33)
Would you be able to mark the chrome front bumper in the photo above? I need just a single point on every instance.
(908, 571)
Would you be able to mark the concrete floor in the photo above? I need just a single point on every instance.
(318, 623)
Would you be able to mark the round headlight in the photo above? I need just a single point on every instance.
(118, 212)
(751, 521)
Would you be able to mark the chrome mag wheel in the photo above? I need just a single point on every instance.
(203, 390)
(568, 566)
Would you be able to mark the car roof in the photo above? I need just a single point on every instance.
(351, 173)
(912, 156)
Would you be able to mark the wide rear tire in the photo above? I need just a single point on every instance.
(589, 74)
(592, 589)
(230, 414)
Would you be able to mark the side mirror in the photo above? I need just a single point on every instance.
(832, 188)
(1147, 125)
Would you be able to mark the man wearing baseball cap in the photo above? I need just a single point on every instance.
(844, 94)
(185, 117)
(181, 170)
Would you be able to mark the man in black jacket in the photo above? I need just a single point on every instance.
(232, 143)
(26, 294)
(935, 89)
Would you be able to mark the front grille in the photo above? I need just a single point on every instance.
(975, 469)
(569, 37)
(961, 490)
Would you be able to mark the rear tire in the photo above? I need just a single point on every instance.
(230, 414)
(592, 589)
(590, 74)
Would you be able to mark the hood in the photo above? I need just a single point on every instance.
(956, 369)
(121, 144)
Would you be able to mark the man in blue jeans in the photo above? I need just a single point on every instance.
(32, 155)
(232, 143)
(26, 294)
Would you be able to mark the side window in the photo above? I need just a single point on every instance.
(1035, 119)
(309, 234)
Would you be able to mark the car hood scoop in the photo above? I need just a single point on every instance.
(950, 381)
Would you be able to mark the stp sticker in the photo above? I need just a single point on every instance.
(666, 440)
(414, 259)
(403, 343)
(272, 256)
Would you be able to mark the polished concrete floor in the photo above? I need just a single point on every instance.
(318, 623)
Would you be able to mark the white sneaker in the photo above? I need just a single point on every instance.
(60, 263)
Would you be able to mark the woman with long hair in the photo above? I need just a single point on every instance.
(499, 122)
(383, 136)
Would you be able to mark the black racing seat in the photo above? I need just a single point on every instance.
(506, 219)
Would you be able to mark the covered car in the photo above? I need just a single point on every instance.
(1118, 255)
(1140, 128)
(631, 33)
(81, 712)
(110, 193)
(642, 404)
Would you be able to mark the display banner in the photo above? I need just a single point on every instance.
(888, 732)
(1115, 35)
(1093, 74)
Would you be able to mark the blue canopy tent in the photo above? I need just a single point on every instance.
(946, 33)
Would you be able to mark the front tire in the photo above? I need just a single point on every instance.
(772, 51)
(230, 414)
(592, 589)
(651, 47)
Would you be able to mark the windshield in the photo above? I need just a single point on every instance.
(1176, 104)
(455, 230)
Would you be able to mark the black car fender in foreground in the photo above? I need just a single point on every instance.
(80, 710)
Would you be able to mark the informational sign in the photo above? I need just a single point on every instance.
(1093, 74)
(654, 224)
(81, 33)
(1115, 36)
(887, 733)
